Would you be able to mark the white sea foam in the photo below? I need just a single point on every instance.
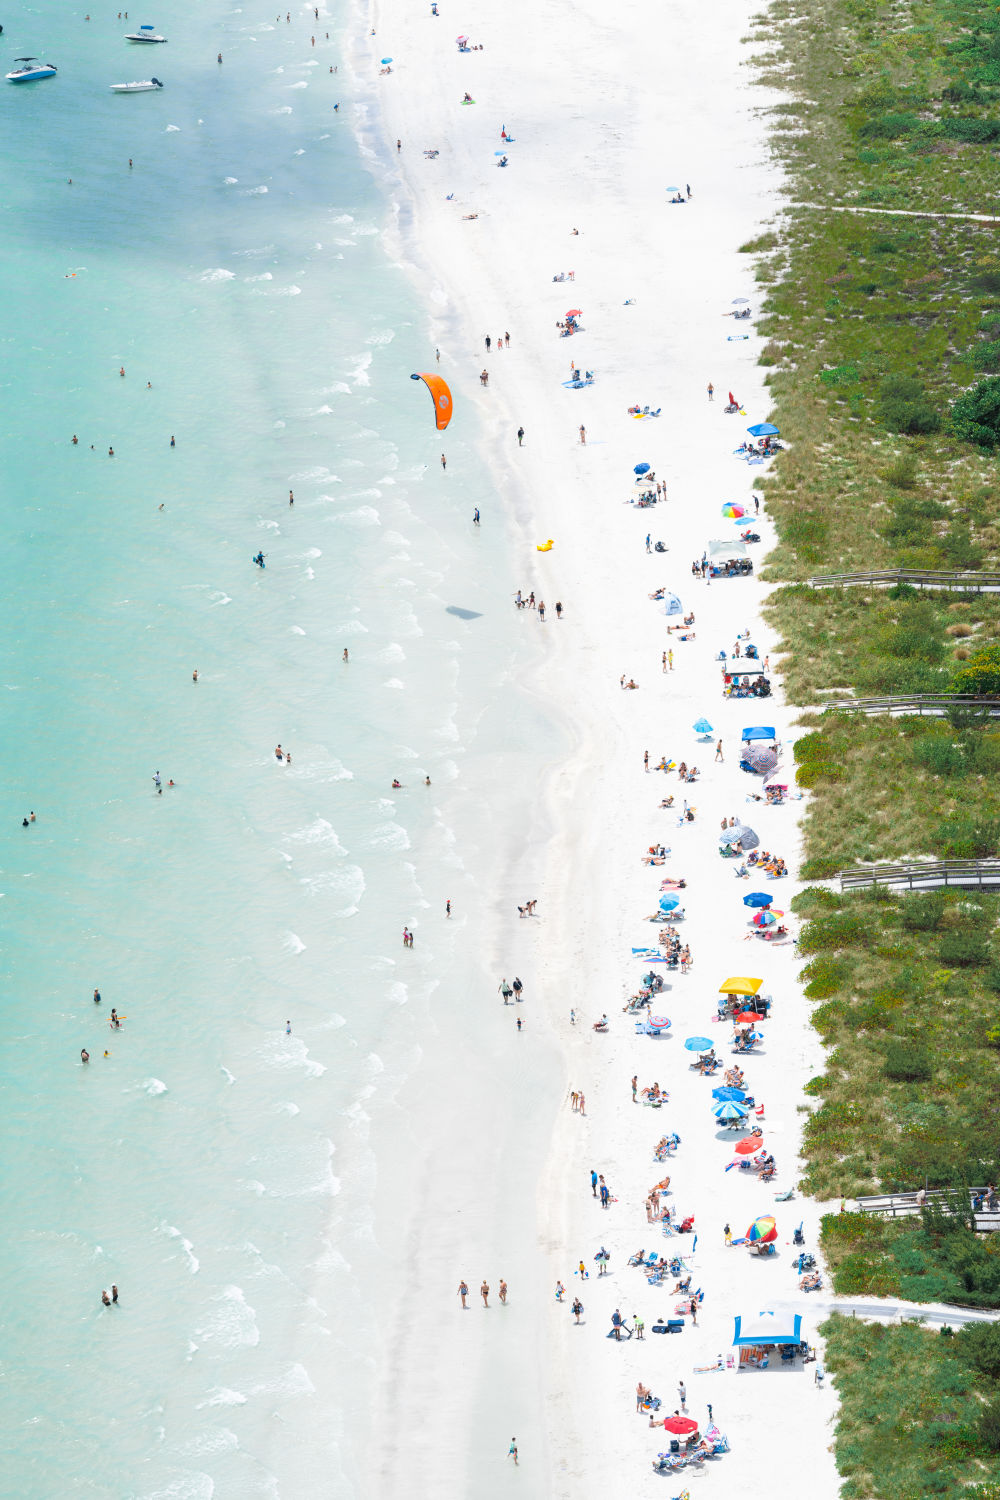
(318, 832)
(220, 1440)
(171, 129)
(217, 274)
(264, 276)
(193, 1263)
(283, 109)
(388, 836)
(302, 84)
(186, 1485)
(154, 1086)
(396, 683)
(230, 181)
(255, 192)
(288, 291)
(399, 993)
(222, 1395)
(231, 1321)
(365, 515)
(294, 1382)
(381, 336)
(287, 1109)
(359, 374)
(229, 1077)
(344, 219)
(292, 943)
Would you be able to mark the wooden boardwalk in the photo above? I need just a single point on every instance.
(909, 1205)
(923, 876)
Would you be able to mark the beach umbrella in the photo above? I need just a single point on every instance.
(499, 153)
(461, 39)
(762, 758)
(749, 1145)
(763, 429)
(669, 903)
(681, 1426)
(697, 1044)
(759, 732)
(740, 984)
(671, 190)
(731, 835)
(386, 60)
(757, 898)
(642, 469)
(662, 1021)
(702, 726)
(730, 1110)
(765, 919)
(728, 1095)
(746, 1018)
(727, 549)
(672, 605)
(575, 312)
(762, 1231)
(740, 301)
(748, 838)
(734, 512)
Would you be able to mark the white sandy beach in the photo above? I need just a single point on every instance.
(607, 108)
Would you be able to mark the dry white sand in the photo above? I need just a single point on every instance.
(608, 106)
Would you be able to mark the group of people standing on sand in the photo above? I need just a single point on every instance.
(484, 1292)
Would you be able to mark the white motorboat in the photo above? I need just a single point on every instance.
(144, 86)
(145, 34)
(30, 69)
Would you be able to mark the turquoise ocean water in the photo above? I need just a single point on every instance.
(249, 1190)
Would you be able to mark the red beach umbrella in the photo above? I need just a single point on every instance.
(749, 1145)
(681, 1426)
(747, 1018)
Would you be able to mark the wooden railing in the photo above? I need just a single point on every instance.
(946, 1200)
(918, 578)
(916, 703)
(923, 876)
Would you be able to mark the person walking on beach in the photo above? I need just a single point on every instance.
(463, 1291)
(577, 1308)
(682, 1392)
(558, 610)
(475, 516)
(639, 1326)
(670, 661)
(484, 1292)
(718, 750)
(520, 437)
(645, 761)
(663, 660)
(583, 435)
(583, 1105)
(728, 1234)
(505, 990)
(593, 1182)
(711, 390)
(512, 1450)
(635, 1086)
(574, 1100)
(519, 1023)
(503, 1291)
(487, 342)
(444, 462)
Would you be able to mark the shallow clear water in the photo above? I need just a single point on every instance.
(222, 1171)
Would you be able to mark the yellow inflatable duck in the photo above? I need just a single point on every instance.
(545, 546)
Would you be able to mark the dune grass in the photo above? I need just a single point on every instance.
(918, 1414)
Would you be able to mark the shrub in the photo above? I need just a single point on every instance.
(841, 929)
(824, 977)
(811, 747)
(989, 1427)
(888, 127)
(848, 374)
(902, 406)
(981, 677)
(902, 472)
(959, 630)
(975, 417)
(964, 838)
(987, 356)
(965, 949)
(979, 1345)
(906, 1062)
(819, 770)
(763, 242)
(923, 912)
(939, 756)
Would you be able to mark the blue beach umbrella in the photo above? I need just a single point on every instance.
(730, 1111)
(669, 903)
(641, 469)
(672, 605)
(728, 1095)
(702, 726)
(386, 60)
(757, 898)
(698, 1044)
(763, 429)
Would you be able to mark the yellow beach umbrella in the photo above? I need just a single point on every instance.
(740, 986)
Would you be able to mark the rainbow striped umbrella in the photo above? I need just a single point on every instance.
(762, 1231)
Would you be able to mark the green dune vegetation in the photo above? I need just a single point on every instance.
(880, 303)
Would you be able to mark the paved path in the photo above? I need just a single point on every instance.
(898, 213)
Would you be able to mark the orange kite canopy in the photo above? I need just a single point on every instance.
(441, 396)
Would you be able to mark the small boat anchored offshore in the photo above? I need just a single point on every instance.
(30, 70)
(145, 34)
(144, 86)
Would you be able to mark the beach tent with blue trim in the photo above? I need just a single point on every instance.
(767, 1328)
(759, 732)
